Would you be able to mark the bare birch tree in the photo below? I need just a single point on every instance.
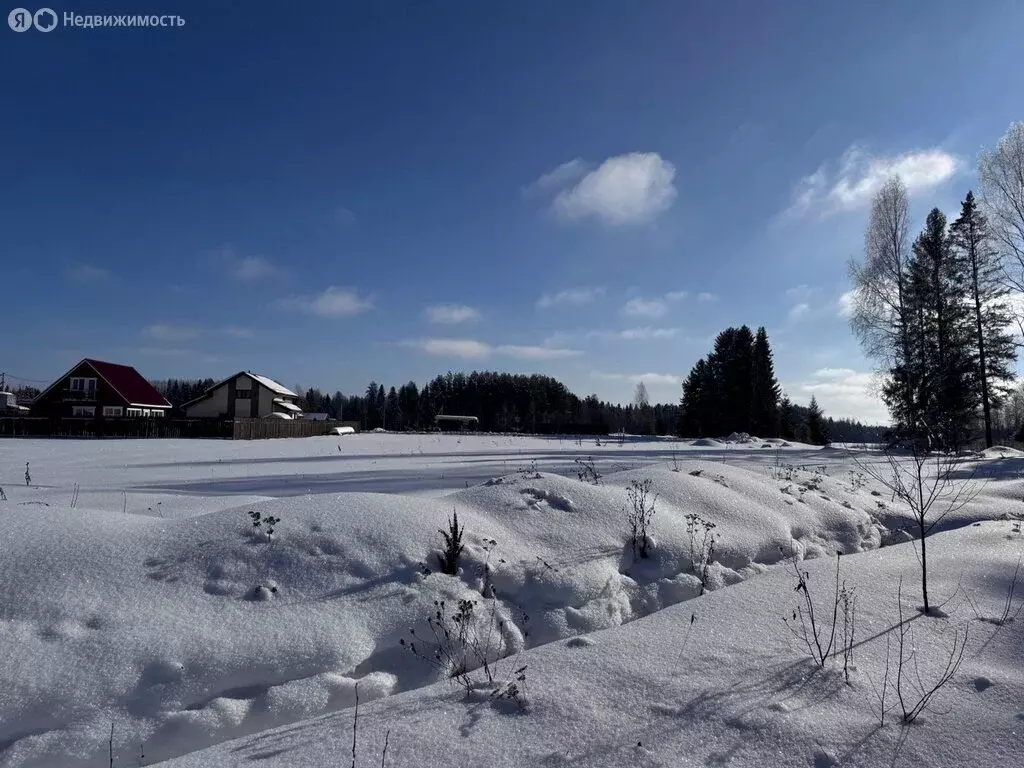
(880, 315)
(1001, 172)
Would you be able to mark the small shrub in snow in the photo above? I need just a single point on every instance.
(484, 569)
(3, 496)
(586, 471)
(28, 475)
(913, 694)
(263, 525)
(639, 513)
(931, 487)
(453, 546)
(467, 650)
(702, 547)
(816, 632)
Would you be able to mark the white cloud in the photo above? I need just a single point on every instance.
(799, 311)
(253, 268)
(676, 295)
(645, 333)
(707, 297)
(537, 353)
(333, 302)
(633, 378)
(843, 393)
(575, 297)
(451, 314)
(844, 306)
(640, 307)
(166, 332)
(471, 349)
(627, 189)
(468, 349)
(559, 177)
(860, 175)
(88, 273)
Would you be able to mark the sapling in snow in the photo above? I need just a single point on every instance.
(932, 486)
(586, 471)
(640, 502)
(702, 547)
(453, 546)
(28, 475)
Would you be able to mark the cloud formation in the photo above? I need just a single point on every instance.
(451, 314)
(628, 189)
(333, 302)
(640, 307)
(253, 268)
(571, 297)
(860, 175)
(472, 349)
(843, 392)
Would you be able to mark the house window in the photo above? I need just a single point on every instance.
(133, 412)
(83, 410)
(113, 410)
(243, 394)
(156, 413)
(83, 384)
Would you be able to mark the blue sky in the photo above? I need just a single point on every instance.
(337, 192)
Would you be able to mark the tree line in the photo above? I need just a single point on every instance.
(734, 390)
(934, 313)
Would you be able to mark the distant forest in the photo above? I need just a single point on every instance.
(505, 402)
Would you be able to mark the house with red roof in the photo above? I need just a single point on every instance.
(96, 390)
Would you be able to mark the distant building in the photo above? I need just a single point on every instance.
(450, 423)
(315, 416)
(96, 390)
(245, 395)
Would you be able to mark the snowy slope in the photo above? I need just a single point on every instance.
(183, 627)
(736, 689)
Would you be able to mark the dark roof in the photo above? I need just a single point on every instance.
(129, 383)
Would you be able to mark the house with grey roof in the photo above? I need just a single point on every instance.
(245, 395)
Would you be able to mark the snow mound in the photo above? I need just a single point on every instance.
(1001, 452)
(707, 442)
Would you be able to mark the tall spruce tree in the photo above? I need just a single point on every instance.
(764, 414)
(787, 419)
(991, 347)
(950, 399)
(817, 432)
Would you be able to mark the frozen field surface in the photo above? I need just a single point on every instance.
(138, 594)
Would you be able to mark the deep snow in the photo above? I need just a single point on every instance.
(152, 603)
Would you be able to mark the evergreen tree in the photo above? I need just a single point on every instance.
(787, 419)
(817, 433)
(764, 416)
(991, 346)
(392, 411)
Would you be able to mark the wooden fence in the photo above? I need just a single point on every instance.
(239, 429)
(262, 429)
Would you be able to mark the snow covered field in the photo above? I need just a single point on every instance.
(137, 593)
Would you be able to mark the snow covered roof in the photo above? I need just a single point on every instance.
(286, 405)
(272, 385)
(265, 381)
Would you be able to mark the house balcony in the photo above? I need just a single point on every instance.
(78, 396)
